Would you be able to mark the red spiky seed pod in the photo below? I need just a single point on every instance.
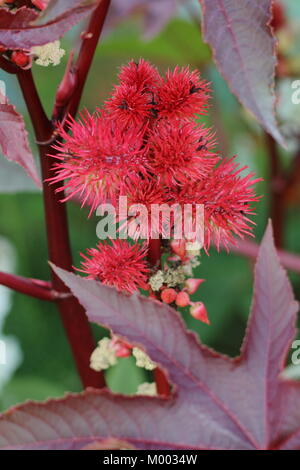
(183, 94)
(95, 158)
(179, 152)
(120, 265)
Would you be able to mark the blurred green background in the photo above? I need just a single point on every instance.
(45, 365)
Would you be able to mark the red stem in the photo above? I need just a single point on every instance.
(277, 187)
(154, 256)
(28, 287)
(154, 252)
(8, 66)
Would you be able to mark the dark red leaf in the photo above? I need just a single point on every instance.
(14, 139)
(155, 14)
(23, 28)
(244, 49)
(218, 403)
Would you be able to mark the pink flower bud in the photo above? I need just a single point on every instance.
(121, 348)
(67, 85)
(178, 247)
(21, 59)
(192, 285)
(168, 295)
(40, 4)
(182, 299)
(199, 312)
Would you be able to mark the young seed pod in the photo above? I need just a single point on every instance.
(21, 59)
(182, 299)
(178, 247)
(40, 4)
(121, 348)
(191, 285)
(199, 312)
(168, 295)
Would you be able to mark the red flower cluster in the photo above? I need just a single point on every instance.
(146, 145)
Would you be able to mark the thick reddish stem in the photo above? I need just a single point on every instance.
(29, 287)
(73, 316)
(277, 187)
(154, 256)
(154, 252)
(8, 66)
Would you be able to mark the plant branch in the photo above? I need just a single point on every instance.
(291, 191)
(277, 188)
(7, 66)
(31, 287)
(250, 249)
(154, 256)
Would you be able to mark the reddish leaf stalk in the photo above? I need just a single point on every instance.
(154, 255)
(29, 287)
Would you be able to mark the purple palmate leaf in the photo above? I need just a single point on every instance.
(240, 35)
(24, 28)
(155, 14)
(14, 139)
(217, 403)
